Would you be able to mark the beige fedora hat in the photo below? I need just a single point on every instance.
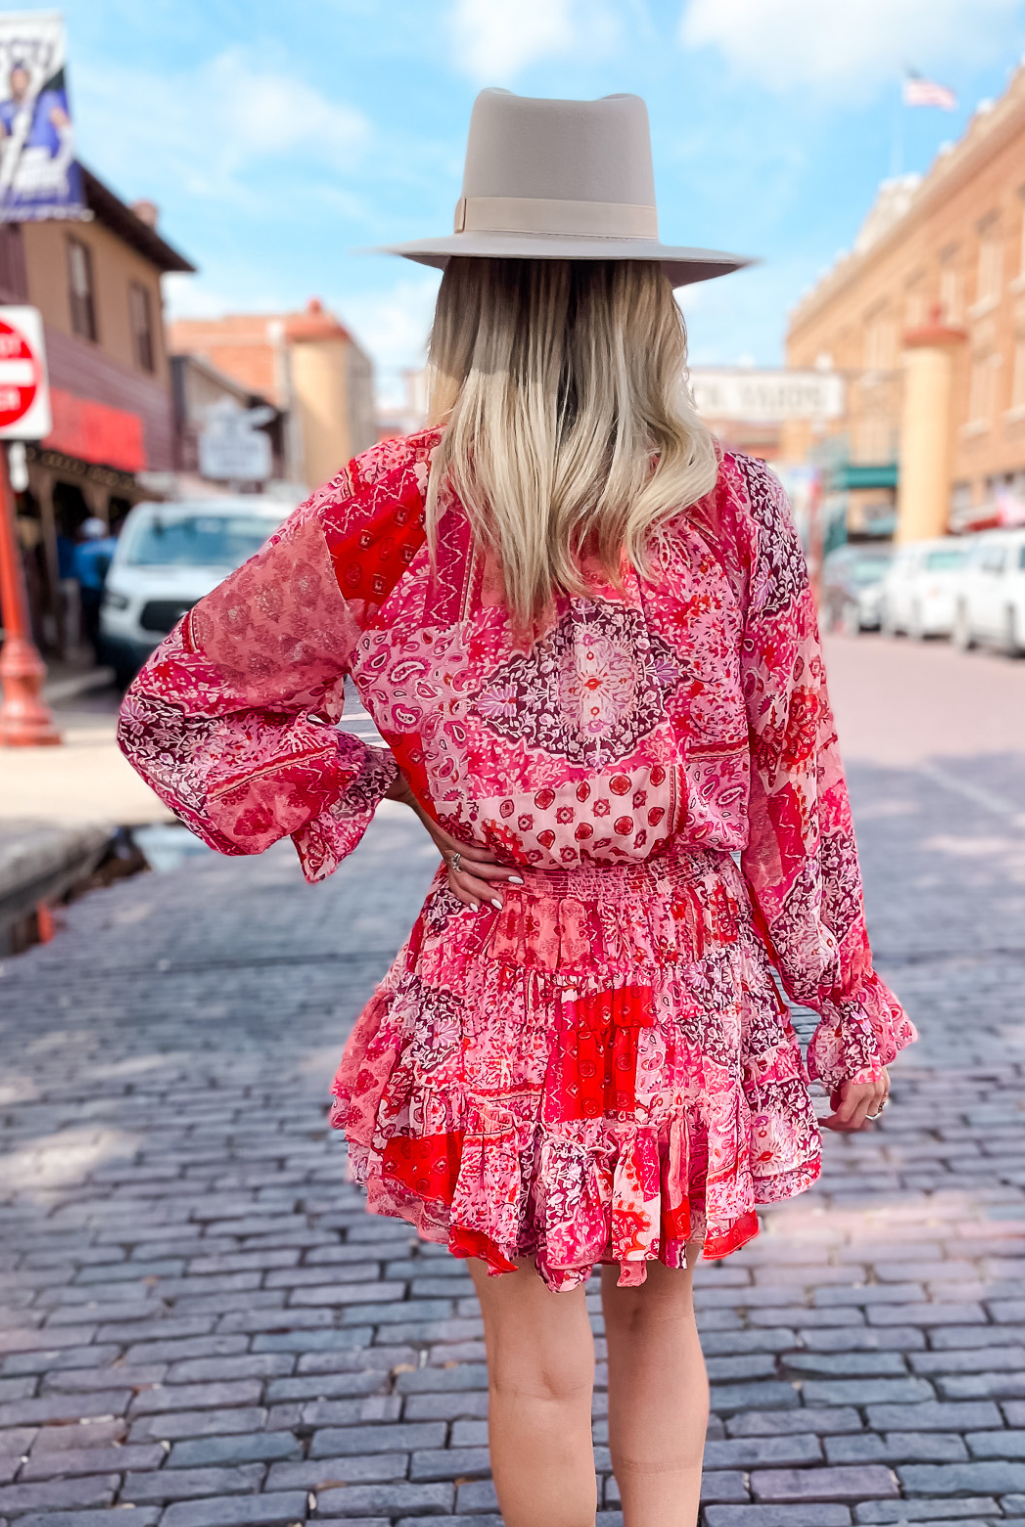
(562, 180)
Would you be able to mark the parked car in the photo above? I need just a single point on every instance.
(991, 596)
(852, 586)
(920, 590)
(168, 556)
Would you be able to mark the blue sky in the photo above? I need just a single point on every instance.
(276, 138)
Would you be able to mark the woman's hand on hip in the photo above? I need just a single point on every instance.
(473, 872)
(856, 1104)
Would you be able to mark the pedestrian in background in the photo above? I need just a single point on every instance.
(69, 609)
(587, 636)
(93, 555)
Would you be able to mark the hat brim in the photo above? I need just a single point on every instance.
(683, 266)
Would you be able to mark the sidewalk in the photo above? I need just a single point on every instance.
(84, 781)
(60, 806)
(58, 803)
(200, 1326)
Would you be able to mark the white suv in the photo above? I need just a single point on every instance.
(991, 593)
(920, 589)
(168, 556)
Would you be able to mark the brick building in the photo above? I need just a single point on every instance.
(925, 319)
(97, 284)
(309, 366)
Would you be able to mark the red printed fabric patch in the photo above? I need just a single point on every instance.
(597, 1052)
(428, 1166)
(372, 557)
(474, 1243)
(721, 1243)
(676, 1222)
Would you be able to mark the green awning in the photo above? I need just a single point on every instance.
(849, 474)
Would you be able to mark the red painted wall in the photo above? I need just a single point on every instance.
(109, 408)
(112, 437)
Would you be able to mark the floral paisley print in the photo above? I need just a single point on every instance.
(604, 1069)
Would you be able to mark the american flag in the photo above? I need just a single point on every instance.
(922, 92)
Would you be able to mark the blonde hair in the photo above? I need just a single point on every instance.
(568, 423)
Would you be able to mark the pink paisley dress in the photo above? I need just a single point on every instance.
(604, 1070)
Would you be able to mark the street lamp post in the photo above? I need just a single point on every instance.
(25, 721)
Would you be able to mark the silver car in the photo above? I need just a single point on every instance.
(167, 557)
(852, 586)
(920, 591)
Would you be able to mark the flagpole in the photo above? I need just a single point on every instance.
(897, 141)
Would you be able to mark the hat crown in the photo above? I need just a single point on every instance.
(582, 151)
(561, 180)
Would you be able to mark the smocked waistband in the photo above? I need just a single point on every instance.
(675, 866)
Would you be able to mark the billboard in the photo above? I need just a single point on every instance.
(39, 176)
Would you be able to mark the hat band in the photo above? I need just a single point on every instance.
(541, 215)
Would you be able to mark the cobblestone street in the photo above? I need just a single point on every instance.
(199, 1326)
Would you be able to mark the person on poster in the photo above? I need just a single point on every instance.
(38, 171)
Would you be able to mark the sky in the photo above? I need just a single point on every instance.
(278, 139)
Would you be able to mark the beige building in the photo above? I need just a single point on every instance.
(925, 320)
(309, 366)
(96, 283)
(97, 286)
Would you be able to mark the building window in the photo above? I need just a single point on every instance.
(140, 310)
(880, 344)
(1018, 376)
(873, 439)
(951, 293)
(915, 309)
(960, 503)
(982, 391)
(81, 290)
(990, 270)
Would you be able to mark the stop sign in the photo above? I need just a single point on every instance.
(24, 395)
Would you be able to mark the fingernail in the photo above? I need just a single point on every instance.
(515, 880)
(496, 903)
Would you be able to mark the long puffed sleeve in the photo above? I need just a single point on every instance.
(232, 721)
(801, 863)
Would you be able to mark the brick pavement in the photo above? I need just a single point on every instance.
(199, 1325)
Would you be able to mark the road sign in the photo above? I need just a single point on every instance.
(24, 392)
(232, 446)
(766, 396)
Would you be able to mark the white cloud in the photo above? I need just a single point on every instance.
(202, 129)
(194, 296)
(495, 40)
(272, 113)
(845, 46)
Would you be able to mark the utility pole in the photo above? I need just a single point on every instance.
(25, 722)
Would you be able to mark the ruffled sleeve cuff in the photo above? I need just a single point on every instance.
(312, 783)
(327, 838)
(859, 1034)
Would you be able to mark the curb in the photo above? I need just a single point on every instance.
(78, 684)
(40, 862)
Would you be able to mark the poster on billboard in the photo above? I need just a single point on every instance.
(39, 175)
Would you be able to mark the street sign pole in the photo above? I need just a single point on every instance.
(25, 722)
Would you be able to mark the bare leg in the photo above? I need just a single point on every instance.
(658, 1396)
(540, 1378)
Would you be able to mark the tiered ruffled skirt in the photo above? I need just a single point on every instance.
(601, 1072)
